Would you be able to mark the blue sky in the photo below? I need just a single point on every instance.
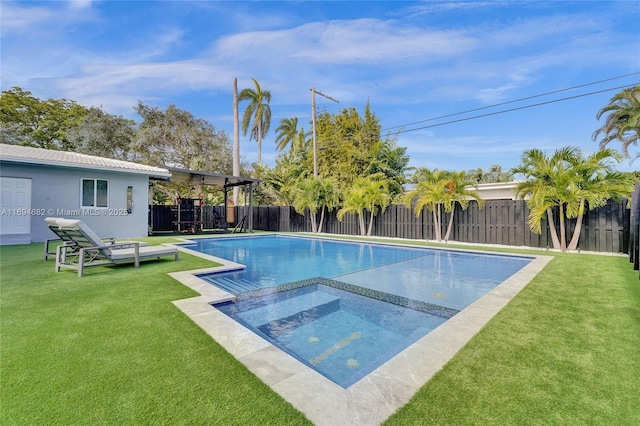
(413, 61)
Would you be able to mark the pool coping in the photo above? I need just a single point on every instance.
(375, 397)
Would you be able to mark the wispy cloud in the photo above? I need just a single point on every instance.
(417, 62)
(19, 20)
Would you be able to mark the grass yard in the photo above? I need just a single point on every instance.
(111, 348)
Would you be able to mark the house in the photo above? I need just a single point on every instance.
(110, 196)
(497, 190)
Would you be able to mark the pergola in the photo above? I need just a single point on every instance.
(226, 182)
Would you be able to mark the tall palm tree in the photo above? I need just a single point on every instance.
(257, 111)
(286, 133)
(623, 120)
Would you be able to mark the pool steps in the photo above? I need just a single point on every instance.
(313, 304)
(232, 285)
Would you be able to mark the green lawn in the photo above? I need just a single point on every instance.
(111, 348)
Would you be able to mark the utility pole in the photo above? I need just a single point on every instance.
(313, 121)
(236, 142)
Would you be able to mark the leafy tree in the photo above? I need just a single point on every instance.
(350, 147)
(315, 194)
(103, 135)
(174, 137)
(257, 111)
(572, 184)
(27, 120)
(392, 162)
(367, 194)
(622, 121)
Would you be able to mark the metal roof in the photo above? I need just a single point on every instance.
(49, 157)
(204, 178)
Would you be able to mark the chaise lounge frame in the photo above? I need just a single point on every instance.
(82, 248)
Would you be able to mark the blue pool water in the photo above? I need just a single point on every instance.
(345, 308)
(443, 277)
(342, 335)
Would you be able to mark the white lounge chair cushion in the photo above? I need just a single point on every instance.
(52, 221)
(77, 224)
(150, 251)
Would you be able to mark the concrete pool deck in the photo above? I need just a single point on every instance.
(374, 398)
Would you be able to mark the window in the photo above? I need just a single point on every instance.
(95, 193)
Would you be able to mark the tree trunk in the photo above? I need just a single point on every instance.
(321, 220)
(552, 229)
(446, 237)
(363, 228)
(370, 225)
(236, 141)
(437, 216)
(314, 225)
(563, 237)
(573, 244)
(259, 140)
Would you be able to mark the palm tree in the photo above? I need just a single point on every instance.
(329, 198)
(259, 111)
(429, 193)
(598, 183)
(315, 194)
(354, 202)
(476, 175)
(456, 192)
(571, 183)
(623, 120)
(286, 132)
(370, 194)
(495, 174)
(548, 183)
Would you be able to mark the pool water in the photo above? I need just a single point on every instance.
(342, 335)
(444, 277)
(345, 308)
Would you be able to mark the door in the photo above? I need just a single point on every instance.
(15, 201)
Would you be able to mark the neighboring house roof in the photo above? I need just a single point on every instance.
(30, 155)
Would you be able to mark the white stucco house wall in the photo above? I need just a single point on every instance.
(111, 196)
(496, 191)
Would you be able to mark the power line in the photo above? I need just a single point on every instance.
(514, 101)
(515, 109)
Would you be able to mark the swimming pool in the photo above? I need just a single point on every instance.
(345, 308)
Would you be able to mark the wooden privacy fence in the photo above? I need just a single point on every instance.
(606, 229)
(634, 235)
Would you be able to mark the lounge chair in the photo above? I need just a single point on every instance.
(82, 248)
(52, 223)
